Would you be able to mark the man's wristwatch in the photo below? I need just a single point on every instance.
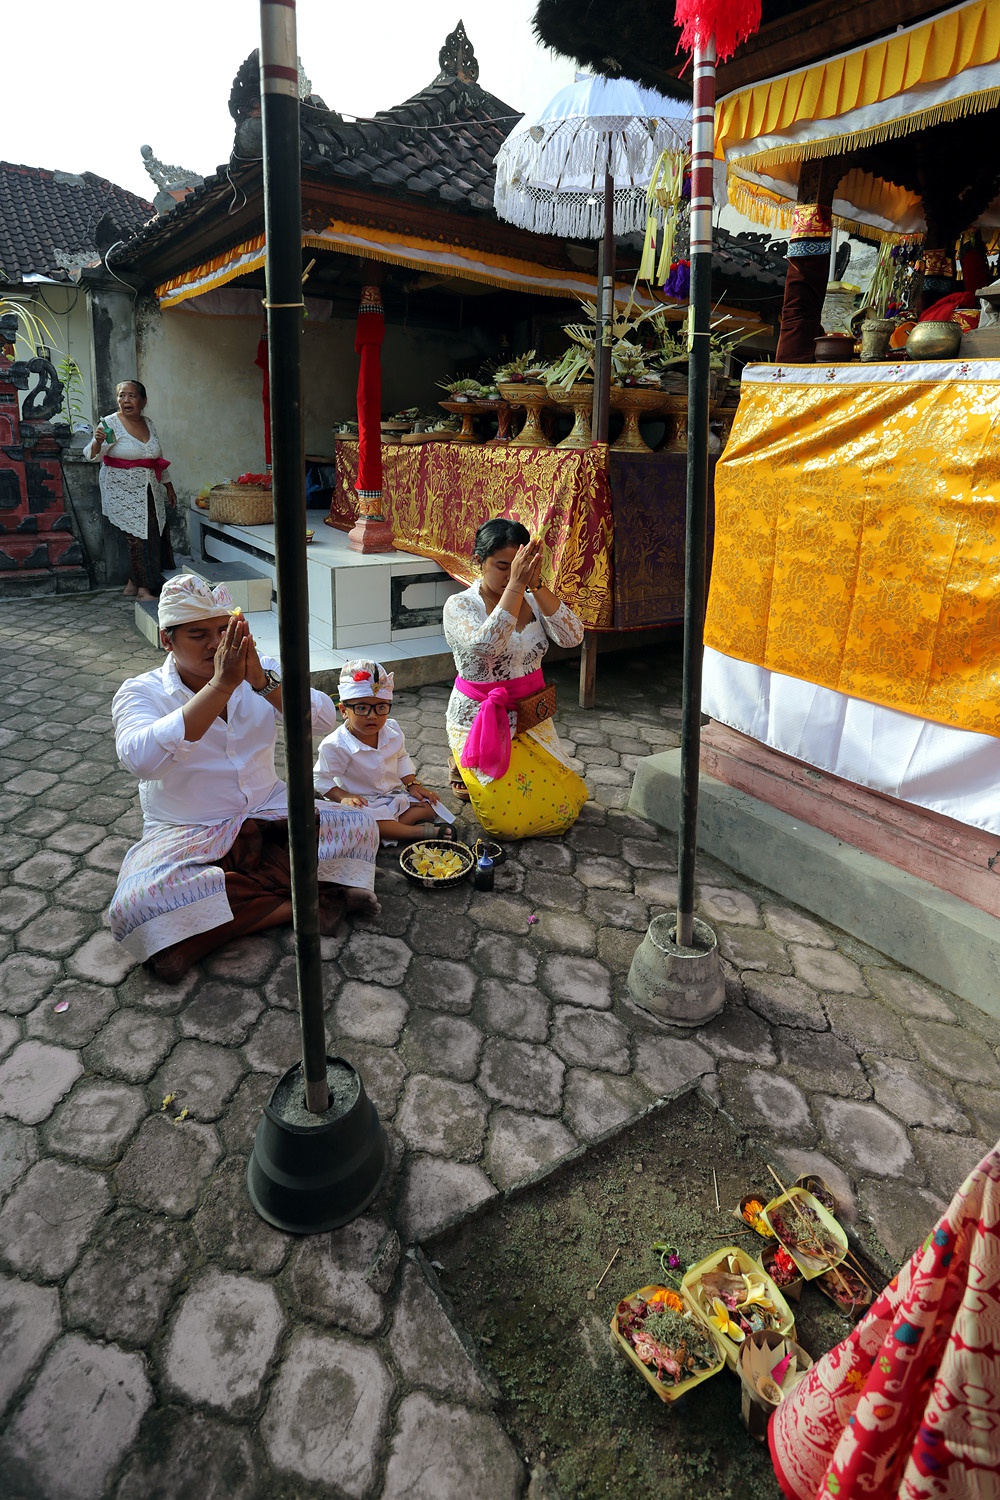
(271, 681)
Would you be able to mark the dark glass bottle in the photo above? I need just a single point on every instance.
(483, 878)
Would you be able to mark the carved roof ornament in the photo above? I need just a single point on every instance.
(166, 176)
(457, 59)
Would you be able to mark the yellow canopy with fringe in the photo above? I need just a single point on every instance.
(939, 70)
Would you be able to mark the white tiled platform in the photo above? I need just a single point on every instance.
(350, 596)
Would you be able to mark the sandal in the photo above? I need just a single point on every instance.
(458, 786)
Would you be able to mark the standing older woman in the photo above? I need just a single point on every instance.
(134, 496)
(521, 785)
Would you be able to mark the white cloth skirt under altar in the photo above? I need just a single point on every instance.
(950, 771)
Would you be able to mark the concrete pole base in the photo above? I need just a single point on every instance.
(683, 986)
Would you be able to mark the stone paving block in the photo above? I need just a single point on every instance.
(24, 979)
(32, 783)
(504, 914)
(444, 1452)
(955, 1053)
(239, 1123)
(328, 1412)
(722, 904)
(668, 1065)
(902, 1215)
(563, 932)
(29, 1322)
(201, 1075)
(18, 907)
(983, 1107)
(544, 854)
(750, 948)
(590, 1039)
(368, 955)
(167, 1166)
(514, 1010)
(382, 1071)
(281, 988)
(276, 1044)
(602, 873)
(440, 984)
(650, 854)
(548, 890)
(616, 948)
(977, 1021)
(124, 1282)
(143, 991)
(55, 932)
(427, 1348)
(18, 1151)
(224, 1338)
(827, 970)
(327, 1275)
(442, 1117)
(657, 887)
(576, 981)
(441, 1044)
(522, 1075)
(75, 838)
(221, 1011)
(869, 1025)
(436, 1192)
(597, 1102)
(521, 1146)
(739, 1035)
(795, 927)
(95, 1121)
(506, 958)
(102, 959)
(231, 1232)
(369, 1013)
(865, 1138)
(33, 1078)
(766, 1105)
(16, 848)
(785, 1001)
(108, 854)
(131, 1046)
(38, 821)
(913, 1094)
(78, 1422)
(608, 908)
(48, 1218)
(10, 1034)
(247, 961)
(87, 1007)
(947, 1158)
(819, 1061)
(188, 1454)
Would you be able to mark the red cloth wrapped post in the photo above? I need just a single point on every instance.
(368, 343)
(805, 284)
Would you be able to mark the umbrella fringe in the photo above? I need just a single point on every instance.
(570, 215)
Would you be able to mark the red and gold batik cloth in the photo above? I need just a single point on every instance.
(908, 1406)
(436, 495)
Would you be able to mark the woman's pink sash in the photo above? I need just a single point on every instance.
(156, 464)
(487, 748)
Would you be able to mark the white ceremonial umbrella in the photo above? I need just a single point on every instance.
(551, 170)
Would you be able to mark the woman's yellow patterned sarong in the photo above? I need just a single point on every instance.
(536, 796)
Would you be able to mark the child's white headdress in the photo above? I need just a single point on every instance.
(365, 679)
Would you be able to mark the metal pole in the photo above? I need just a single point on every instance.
(279, 79)
(700, 316)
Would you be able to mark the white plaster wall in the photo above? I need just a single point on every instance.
(205, 390)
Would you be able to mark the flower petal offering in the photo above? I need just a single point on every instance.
(734, 1294)
(672, 1349)
(809, 1233)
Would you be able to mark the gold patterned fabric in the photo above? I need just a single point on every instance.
(858, 534)
(436, 495)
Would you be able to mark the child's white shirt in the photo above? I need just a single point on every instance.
(363, 770)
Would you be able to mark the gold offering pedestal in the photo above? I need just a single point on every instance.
(633, 402)
(534, 399)
(580, 401)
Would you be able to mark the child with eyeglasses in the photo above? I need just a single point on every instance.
(364, 763)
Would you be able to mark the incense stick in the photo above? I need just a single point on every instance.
(715, 1184)
(607, 1268)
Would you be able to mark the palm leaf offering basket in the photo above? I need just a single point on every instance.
(241, 505)
(664, 1391)
(700, 1300)
(808, 1231)
(415, 854)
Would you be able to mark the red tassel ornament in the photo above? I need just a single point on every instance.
(727, 22)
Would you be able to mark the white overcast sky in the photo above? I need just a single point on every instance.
(85, 85)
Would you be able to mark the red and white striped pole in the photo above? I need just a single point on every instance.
(699, 329)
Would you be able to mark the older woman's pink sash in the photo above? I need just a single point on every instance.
(158, 465)
(487, 747)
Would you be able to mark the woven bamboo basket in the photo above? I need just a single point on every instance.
(240, 505)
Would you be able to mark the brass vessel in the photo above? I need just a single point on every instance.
(934, 340)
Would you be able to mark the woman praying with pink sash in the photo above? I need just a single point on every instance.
(521, 785)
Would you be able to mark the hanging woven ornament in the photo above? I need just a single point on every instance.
(726, 22)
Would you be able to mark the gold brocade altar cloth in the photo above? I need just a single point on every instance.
(436, 495)
(857, 540)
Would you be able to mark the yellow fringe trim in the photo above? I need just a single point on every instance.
(840, 145)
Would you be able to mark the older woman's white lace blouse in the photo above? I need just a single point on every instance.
(490, 648)
(123, 491)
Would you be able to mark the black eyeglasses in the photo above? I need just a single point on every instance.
(364, 709)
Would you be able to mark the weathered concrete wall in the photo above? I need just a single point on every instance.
(205, 390)
(113, 343)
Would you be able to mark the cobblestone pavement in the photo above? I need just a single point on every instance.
(159, 1339)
